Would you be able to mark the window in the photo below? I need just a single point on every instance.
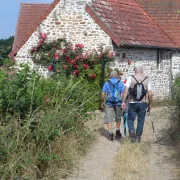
(162, 56)
(160, 60)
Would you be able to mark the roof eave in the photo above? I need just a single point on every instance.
(148, 46)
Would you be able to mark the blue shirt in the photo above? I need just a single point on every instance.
(106, 89)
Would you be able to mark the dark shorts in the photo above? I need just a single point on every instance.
(109, 113)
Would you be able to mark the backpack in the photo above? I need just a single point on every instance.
(114, 95)
(138, 92)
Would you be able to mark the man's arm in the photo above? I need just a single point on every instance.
(103, 95)
(124, 98)
(125, 94)
(128, 83)
(150, 99)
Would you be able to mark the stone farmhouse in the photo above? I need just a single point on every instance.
(138, 31)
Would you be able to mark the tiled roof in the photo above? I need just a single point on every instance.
(30, 17)
(166, 13)
(126, 22)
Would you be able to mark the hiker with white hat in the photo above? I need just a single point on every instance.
(139, 89)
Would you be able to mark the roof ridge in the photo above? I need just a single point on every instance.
(156, 23)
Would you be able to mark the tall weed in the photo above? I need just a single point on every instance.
(42, 124)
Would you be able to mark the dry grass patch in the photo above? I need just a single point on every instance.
(130, 162)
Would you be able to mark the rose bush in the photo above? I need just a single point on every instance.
(63, 58)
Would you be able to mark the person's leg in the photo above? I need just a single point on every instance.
(108, 120)
(109, 125)
(132, 110)
(141, 118)
(118, 112)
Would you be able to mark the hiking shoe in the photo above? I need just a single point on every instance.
(133, 140)
(132, 135)
(111, 136)
(138, 139)
(118, 134)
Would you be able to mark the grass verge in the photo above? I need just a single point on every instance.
(130, 162)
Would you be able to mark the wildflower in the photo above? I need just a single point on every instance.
(76, 72)
(35, 49)
(68, 60)
(79, 46)
(93, 76)
(77, 58)
(65, 66)
(75, 66)
(86, 66)
(50, 68)
(56, 56)
(43, 35)
(73, 62)
(39, 45)
(41, 41)
(64, 50)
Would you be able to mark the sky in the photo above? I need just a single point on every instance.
(9, 10)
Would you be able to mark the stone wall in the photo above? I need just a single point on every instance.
(69, 20)
(176, 64)
(148, 58)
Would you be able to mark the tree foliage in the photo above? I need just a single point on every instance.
(5, 47)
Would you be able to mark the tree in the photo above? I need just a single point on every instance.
(5, 48)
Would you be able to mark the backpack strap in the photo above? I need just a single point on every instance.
(144, 79)
(141, 81)
(111, 84)
(135, 79)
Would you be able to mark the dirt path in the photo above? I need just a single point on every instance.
(99, 162)
(164, 154)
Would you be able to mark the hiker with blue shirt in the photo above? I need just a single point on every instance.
(111, 100)
(138, 88)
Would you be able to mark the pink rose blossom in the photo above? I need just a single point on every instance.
(76, 72)
(43, 35)
(93, 76)
(86, 66)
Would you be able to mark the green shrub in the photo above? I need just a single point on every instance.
(42, 124)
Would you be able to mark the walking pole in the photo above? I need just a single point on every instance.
(152, 123)
(124, 122)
